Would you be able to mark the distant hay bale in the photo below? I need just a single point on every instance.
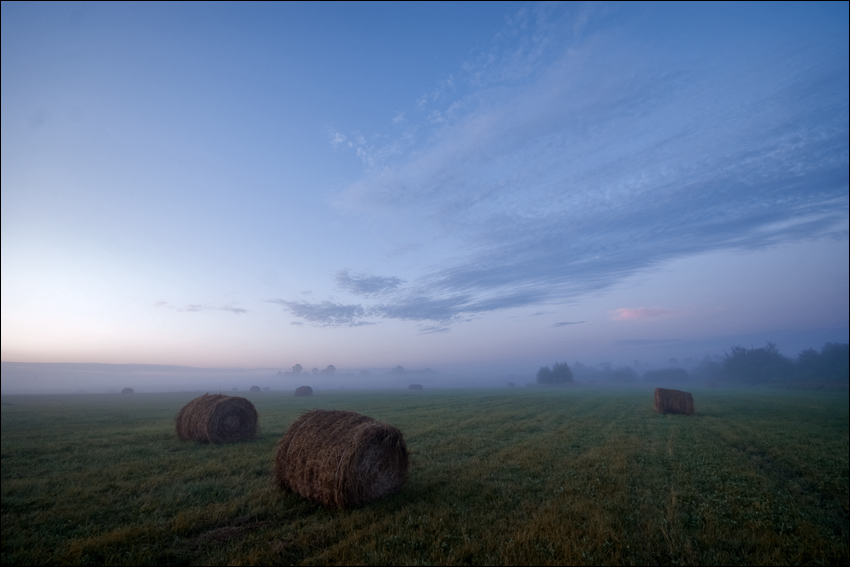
(255, 389)
(415, 387)
(340, 459)
(128, 391)
(511, 384)
(673, 401)
(217, 419)
(303, 391)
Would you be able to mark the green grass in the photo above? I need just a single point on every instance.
(521, 476)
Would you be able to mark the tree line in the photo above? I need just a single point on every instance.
(746, 366)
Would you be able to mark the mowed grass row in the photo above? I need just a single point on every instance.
(520, 476)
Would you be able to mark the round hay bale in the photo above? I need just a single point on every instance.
(303, 391)
(128, 391)
(255, 389)
(674, 401)
(415, 387)
(340, 459)
(217, 419)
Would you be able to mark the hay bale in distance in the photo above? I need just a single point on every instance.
(415, 387)
(673, 401)
(128, 391)
(217, 419)
(255, 389)
(303, 391)
(340, 459)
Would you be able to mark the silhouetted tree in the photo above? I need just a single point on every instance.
(836, 361)
(329, 370)
(297, 369)
(707, 370)
(559, 374)
(757, 365)
(832, 364)
(398, 370)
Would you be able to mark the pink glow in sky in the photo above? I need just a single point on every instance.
(628, 314)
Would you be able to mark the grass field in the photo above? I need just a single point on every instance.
(519, 476)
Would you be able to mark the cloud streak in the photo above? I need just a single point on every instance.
(567, 323)
(362, 284)
(326, 313)
(198, 307)
(570, 161)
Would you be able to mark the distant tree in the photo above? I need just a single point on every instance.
(398, 370)
(329, 370)
(297, 369)
(831, 364)
(315, 371)
(559, 374)
(757, 365)
(707, 370)
(835, 362)
(807, 367)
(583, 373)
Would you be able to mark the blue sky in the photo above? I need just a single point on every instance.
(472, 185)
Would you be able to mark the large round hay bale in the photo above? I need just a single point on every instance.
(255, 389)
(303, 391)
(128, 391)
(673, 401)
(217, 419)
(340, 459)
(415, 387)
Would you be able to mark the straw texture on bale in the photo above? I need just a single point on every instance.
(673, 401)
(217, 419)
(415, 387)
(340, 459)
(303, 391)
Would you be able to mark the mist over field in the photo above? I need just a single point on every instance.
(809, 367)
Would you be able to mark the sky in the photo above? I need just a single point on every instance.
(489, 186)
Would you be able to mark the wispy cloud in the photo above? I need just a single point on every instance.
(576, 154)
(566, 323)
(197, 307)
(326, 313)
(629, 314)
(232, 309)
(362, 284)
